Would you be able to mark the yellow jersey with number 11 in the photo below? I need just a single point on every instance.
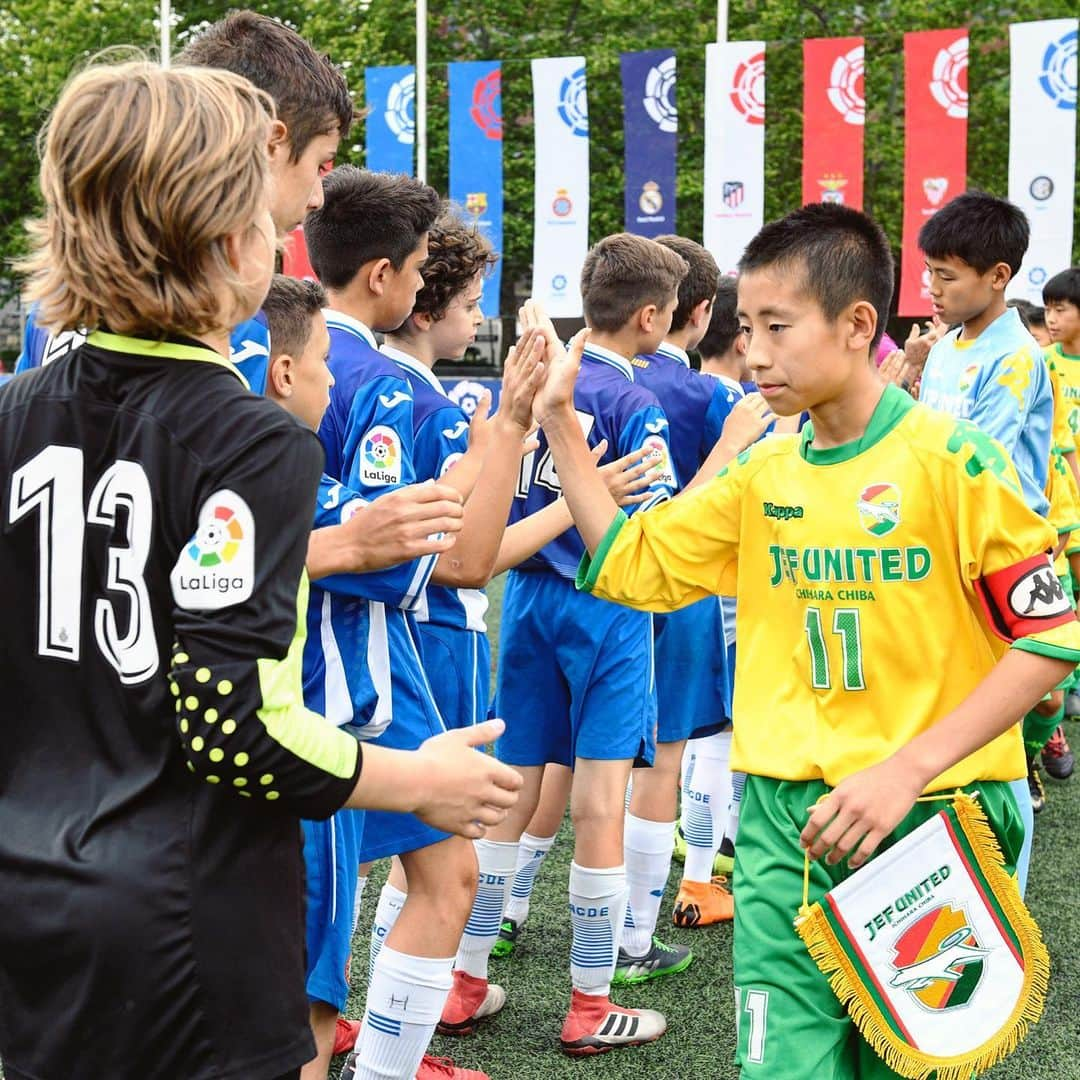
(877, 584)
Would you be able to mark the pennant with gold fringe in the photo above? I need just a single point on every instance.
(931, 950)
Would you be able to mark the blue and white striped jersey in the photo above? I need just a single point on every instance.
(609, 405)
(440, 437)
(249, 344)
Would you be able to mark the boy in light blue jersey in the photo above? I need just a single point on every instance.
(575, 677)
(989, 369)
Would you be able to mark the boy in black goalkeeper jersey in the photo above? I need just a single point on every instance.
(153, 528)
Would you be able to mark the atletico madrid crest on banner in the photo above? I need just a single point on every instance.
(734, 190)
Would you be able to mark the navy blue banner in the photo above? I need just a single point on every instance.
(476, 158)
(390, 127)
(650, 125)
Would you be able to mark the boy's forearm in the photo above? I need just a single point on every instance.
(591, 505)
(528, 536)
(331, 550)
(464, 473)
(388, 780)
(1011, 689)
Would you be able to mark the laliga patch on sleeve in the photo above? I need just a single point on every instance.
(659, 459)
(449, 463)
(1025, 599)
(216, 569)
(380, 457)
(351, 508)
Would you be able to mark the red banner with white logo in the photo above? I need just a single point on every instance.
(294, 257)
(935, 145)
(834, 110)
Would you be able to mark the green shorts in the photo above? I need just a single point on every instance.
(790, 1024)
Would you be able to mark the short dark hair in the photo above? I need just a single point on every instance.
(981, 229)
(367, 215)
(310, 93)
(1064, 286)
(840, 254)
(700, 281)
(289, 307)
(623, 273)
(1030, 314)
(457, 252)
(724, 325)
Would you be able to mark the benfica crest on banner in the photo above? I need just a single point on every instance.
(931, 950)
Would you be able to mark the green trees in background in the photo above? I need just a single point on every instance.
(40, 41)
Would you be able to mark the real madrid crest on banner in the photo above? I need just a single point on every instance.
(930, 948)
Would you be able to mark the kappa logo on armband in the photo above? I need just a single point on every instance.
(659, 460)
(380, 457)
(216, 569)
(1039, 595)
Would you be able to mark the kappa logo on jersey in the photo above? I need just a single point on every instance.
(217, 567)
(381, 454)
(1039, 595)
(1058, 78)
(967, 378)
(400, 114)
(659, 460)
(846, 86)
(574, 104)
(59, 345)
(938, 959)
(949, 82)
(659, 100)
(486, 108)
(457, 430)
(879, 509)
(392, 401)
(748, 89)
(449, 463)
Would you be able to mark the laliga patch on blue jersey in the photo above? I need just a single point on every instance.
(380, 456)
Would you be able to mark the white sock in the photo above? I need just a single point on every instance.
(705, 798)
(738, 783)
(597, 910)
(404, 1002)
(647, 847)
(391, 901)
(496, 862)
(532, 850)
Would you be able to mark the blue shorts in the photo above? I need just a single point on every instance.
(575, 676)
(458, 666)
(331, 856)
(414, 717)
(691, 672)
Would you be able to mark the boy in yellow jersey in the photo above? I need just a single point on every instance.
(884, 560)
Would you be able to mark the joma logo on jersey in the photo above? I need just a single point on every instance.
(938, 959)
(781, 513)
(879, 508)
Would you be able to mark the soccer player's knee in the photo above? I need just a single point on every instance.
(450, 879)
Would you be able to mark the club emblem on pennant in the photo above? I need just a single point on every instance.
(733, 193)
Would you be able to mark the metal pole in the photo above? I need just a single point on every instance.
(721, 20)
(166, 19)
(421, 90)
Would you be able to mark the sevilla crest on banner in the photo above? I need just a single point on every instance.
(834, 111)
(935, 146)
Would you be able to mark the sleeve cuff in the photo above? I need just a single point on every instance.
(1042, 648)
(589, 568)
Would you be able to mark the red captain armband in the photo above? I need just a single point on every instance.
(1024, 599)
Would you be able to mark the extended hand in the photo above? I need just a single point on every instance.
(523, 374)
(746, 423)
(629, 477)
(558, 390)
(463, 791)
(860, 812)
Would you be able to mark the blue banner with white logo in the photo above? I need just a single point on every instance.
(476, 163)
(650, 126)
(390, 127)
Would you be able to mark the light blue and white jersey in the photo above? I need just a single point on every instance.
(440, 438)
(249, 346)
(999, 381)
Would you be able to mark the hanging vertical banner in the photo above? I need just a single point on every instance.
(561, 188)
(476, 163)
(294, 256)
(734, 148)
(935, 146)
(834, 114)
(650, 126)
(1042, 146)
(390, 127)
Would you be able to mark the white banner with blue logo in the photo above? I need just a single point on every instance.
(390, 127)
(561, 192)
(476, 164)
(650, 126)
(1042, 145)
(734, 148)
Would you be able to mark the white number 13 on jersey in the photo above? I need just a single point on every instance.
(51, 483)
